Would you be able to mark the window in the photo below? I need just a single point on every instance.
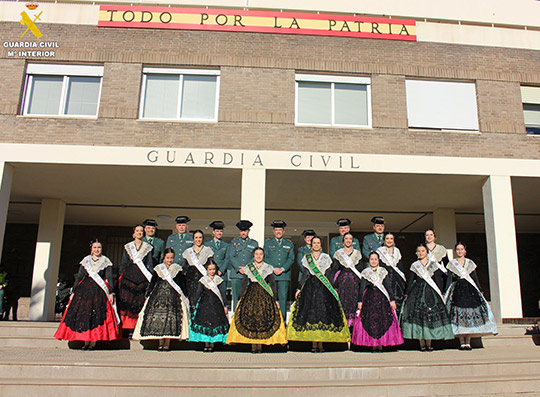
(442, 105)
(333, 100)
(62, 90)
(531, 109)
(179, 94)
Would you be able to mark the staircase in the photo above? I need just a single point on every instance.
(35, 364)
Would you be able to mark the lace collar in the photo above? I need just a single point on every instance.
(265, 270)
(100, 263)
(354, 257)
(217, 280)
(202, 256)
(174, 269)
(469, 266)
(323, 263)
(143, 250)
(380, 273)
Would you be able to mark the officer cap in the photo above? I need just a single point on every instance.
(244, 225)
(308, 232)
(378, 220)
(278, 223)
(182, 219)
(150, 222)
(217, 225)
(343, 222)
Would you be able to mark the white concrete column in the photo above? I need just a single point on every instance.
(47, 260)
(444, 223)
(502, 248)
(254, 201)
(6, 177)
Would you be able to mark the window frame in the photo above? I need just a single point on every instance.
(410, 126)
(67, 72)
(333, 80)
(181, 72)
(530, 96)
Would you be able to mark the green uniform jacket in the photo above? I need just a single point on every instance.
(159, 247)
(280, 256)
(240, 253)
(302, 251)
(179, 243)
(337, 243)
(220, 253)
(371, 243)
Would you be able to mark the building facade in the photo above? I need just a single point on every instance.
(425, 114)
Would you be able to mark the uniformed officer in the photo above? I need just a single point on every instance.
(150, 228)
(182, 240)
(218, 246)
(279, 253)
(308, 235)
(239, 254)
(336, 243)
(374, 240)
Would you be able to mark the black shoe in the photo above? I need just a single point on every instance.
(85, 347)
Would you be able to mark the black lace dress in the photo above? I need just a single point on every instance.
(347, 283)
(317, 315)
(165, 314)
(193, 275)
(132, 285)
(209, 323)
(257, 318)
(397, 282)
(89, 315)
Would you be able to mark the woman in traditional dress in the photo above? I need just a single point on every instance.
(90, 315)
(165, 314)
(436, 252)
(390, 257)
(469, 311)
(377, 325)
(209, 322)
(195, 260)
(135, 274)
(346, 279)
(317, 315)
(424, 316)
(257, 318)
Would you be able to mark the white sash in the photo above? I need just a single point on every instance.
(165, 272)
(348, 262)
(461, 272)
(134, 255)
(432, 258)
(99, 281)
(390, 260)
(418, 269)
(207, 281)
(372, 277)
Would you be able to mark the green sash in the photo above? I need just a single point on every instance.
(253, 269)
(322, 278)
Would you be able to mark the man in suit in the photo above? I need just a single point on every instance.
(374, 240)
(239, 254)
(182, 240)
(218, 246)
(150, 229)
(279, 252)
(344, 225)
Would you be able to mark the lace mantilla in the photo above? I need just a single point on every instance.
(430, 269)
(438, 252)
(217, 280)
(203, 255)
(469, 267)
(355, 257)
(98, 264)
(144, 249)
(265, 270)
(174, 269)
(323, 263)
(380, 272)
(386, 257)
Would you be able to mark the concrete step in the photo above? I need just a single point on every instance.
(47, 372)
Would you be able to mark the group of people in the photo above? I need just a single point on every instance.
(174, 290)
